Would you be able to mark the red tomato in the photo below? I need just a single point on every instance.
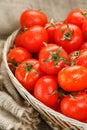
(76, 17)
(52, 58)
(69, 36)
(16, 56)
(17, 41)
(75, 107)
(32, 17)
(83, 46)
(73, 78)
(79, 58)
(51, 27)
(45, 91)
(28, 72)
(33, 38)
(84, 29)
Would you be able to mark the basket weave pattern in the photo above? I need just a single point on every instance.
(54, 119)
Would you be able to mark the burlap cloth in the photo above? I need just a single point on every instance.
(15, 112)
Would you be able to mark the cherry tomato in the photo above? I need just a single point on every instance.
(73, 78)
(46, 89)
(17, 41)
(69, 36)
(16, 56)
(51, 27)
(79, 58)
(32, 17)
(75, 106)
(84, 29)
(33, 38)
(52, 58)
(28, 72)
(76, 17)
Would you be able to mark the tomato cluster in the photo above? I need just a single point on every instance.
(49, 59)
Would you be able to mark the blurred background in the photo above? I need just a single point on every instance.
(10, 11)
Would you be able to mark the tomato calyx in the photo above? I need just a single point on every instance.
(67, 34)
(52, 23)
(28, 68)
(74, 56)
(55, 57)
(84, 13)
(13, 63)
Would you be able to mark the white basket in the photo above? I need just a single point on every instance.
(54, 119)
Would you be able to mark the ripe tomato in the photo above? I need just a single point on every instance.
(79, 57)
(76, 17)
(45, 91)
(33, 38)
(52, 58)
(32, 17)
(51, 27)
(84, 29)
(69, 36)
(73, 78)
(75, 107)
(28, 72)
(16, 56)
(17, 41)
(83, 46)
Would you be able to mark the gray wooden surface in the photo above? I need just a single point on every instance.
(10, 11)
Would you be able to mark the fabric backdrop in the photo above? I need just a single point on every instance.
(10, 11)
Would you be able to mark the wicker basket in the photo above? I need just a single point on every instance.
(54, 119)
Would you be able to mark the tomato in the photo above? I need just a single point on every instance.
(79, 57)
(75, 107)
(33, 38)
(51, 27)
(52, 58)
(32, 17)
(83, 46)
(45, 90)
(69, 36)
(16, 56)
(28, 72)
(73, 78)
(76, 17)
(17, 41)
(84, 29)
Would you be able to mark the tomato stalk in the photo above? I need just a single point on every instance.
(28, 68)
(67, 34)
(51, 24)
(55, 57)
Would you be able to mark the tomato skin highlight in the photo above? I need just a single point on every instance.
(73, 78)
(32, 17)
(83, 46)
(45, 91)
(75, 107)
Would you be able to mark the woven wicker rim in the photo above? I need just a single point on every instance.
(26, 94)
